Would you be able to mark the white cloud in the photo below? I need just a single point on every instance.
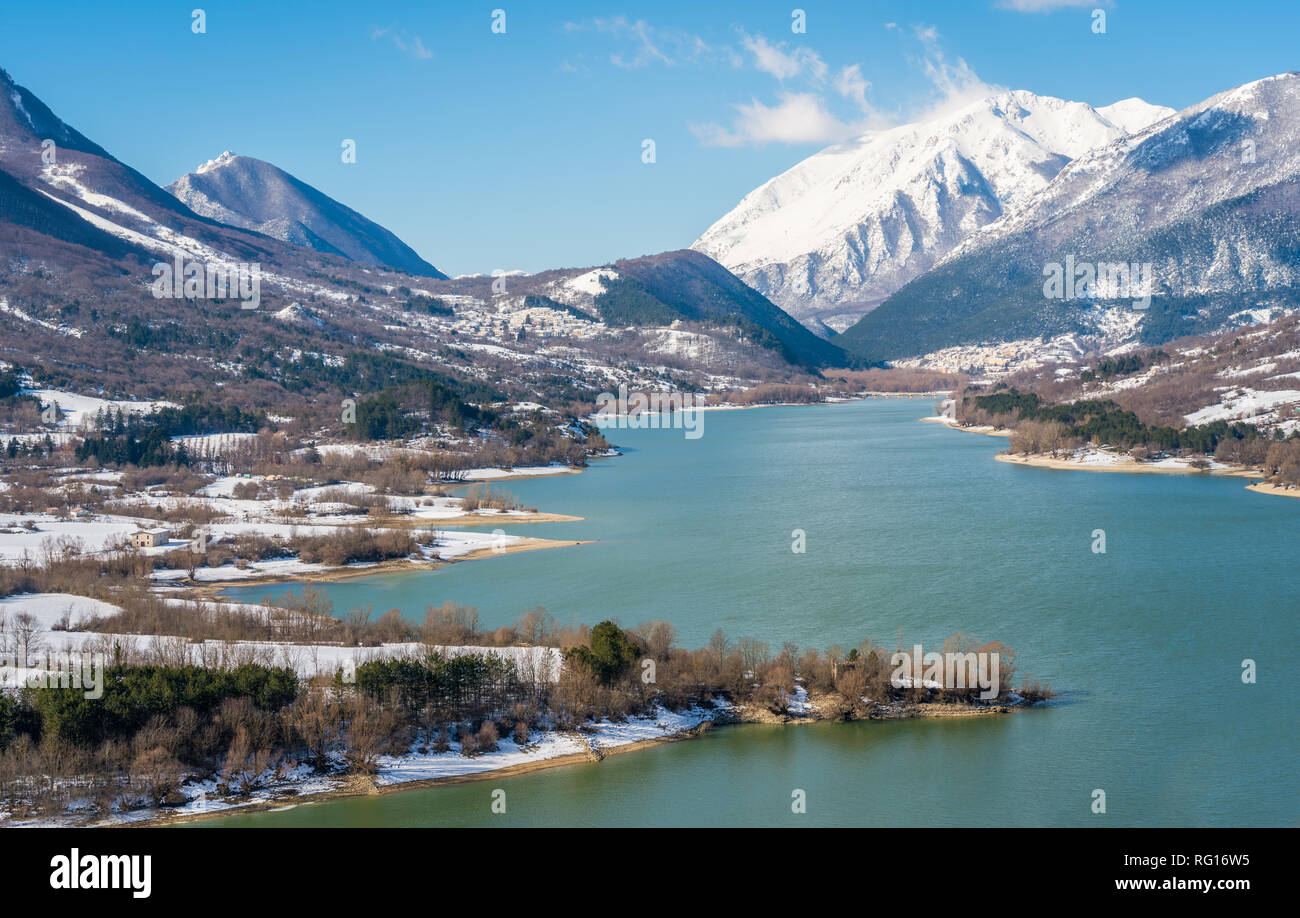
(851, 84)
(773, 59)
(808, 116)
(799, 117)
(642, 35)
(651, 45)
(403, 41)
(955, 83)
(1046, 6)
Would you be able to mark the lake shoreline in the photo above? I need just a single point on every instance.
(1264, 487)
(1125, 464)
(471, 520)
(213, 590)
(986, 431)
(725, 716)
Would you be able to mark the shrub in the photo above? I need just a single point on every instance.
(609, 653)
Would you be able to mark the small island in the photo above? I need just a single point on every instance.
(294, 703)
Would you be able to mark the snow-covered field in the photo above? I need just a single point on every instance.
(74, 408)
(310, 511)
(51, 609)
(1092, 456)
(1246, 404)
(102, 533)
(416, 767)
(799, 703)
(201, 444)
(447, 546)
(307, 660)
(97, 533)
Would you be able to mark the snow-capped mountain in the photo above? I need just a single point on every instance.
(1233, 143)
(832, 237)
(60, 188)
(1209, 199)
(80, 186)
(252, 194)
(65, 200)
(85, 241)
(1133, 115)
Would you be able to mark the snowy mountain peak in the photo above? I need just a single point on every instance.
(1265, 89)
(25, 120)
(217, 163)
(1194, 157)
(251, 194)
(1133, 115)
(837, 233)
(1205, 199)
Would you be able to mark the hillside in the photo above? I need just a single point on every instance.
(88, 239)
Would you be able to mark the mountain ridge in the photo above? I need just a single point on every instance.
(1209, 197)
(834, 235)
(85, 238)
(256, 195)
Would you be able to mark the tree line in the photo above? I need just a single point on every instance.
(1098, 421)
(163, 722)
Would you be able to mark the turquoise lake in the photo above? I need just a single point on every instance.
(913, 532)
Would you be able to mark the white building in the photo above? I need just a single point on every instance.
(150, 538)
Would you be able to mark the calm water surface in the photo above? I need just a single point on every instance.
(913, 532)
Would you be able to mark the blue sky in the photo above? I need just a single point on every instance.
(523, 150)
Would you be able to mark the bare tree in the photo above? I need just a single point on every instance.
(659, 637)
(718, 645)
(536, 626)
(27, 633)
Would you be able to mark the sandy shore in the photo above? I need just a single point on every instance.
(212, 590)
(524, 544)
(470, 520)
(495, 478)
(1263, 487)
(1126, 465)
(986, 431)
